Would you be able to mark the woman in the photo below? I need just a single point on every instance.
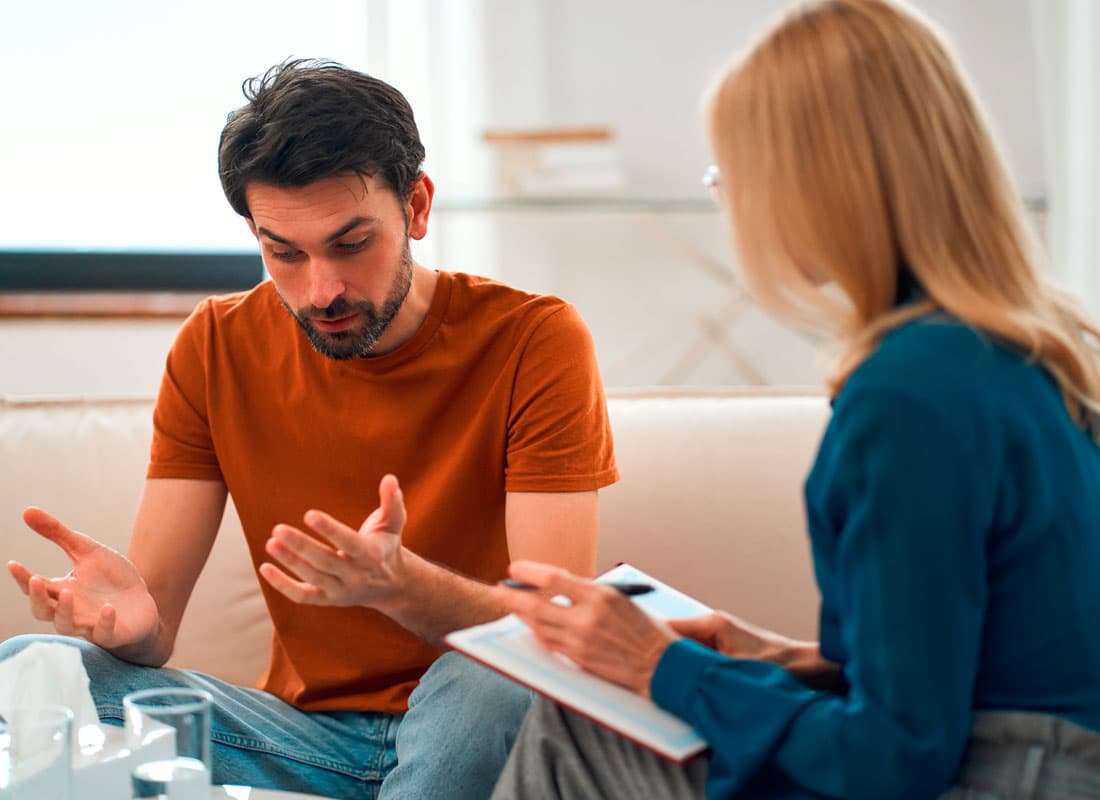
(954, 506)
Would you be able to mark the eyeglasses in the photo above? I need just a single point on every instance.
(711, 182)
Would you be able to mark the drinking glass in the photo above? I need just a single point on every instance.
(182, 716)
(171, 779)
(36, 753)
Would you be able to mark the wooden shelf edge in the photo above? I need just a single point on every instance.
(129, 305)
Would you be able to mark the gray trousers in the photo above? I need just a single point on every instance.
(1010, 756)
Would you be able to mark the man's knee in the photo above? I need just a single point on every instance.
(462, 686)
(459, 696)
(462, 721)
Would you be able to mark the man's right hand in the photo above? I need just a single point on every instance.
(103, 598)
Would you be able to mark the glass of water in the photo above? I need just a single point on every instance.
(36, 751)
(158, 722)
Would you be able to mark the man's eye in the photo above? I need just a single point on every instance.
(351, 247)
(284, 255)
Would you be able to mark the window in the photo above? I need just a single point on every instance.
(109, 149)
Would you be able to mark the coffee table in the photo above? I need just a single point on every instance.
(248, 793)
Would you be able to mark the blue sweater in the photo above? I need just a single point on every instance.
(954, 515)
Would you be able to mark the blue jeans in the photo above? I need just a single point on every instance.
(451, 743)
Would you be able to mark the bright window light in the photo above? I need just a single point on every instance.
(113, 110)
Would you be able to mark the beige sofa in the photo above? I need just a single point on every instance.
(710, 501)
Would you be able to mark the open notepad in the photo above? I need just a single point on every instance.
(509, 647)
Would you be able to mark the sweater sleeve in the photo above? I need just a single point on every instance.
(901, 497)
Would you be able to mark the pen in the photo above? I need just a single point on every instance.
(629, 589)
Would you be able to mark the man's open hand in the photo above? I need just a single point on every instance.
(346, 567)
(103, 598)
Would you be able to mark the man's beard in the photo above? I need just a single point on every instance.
(360, 341)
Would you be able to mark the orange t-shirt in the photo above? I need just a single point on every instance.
(498, 391)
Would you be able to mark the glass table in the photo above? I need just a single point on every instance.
(248, 793)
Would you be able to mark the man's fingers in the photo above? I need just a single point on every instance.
(49, 527)
(319, 555)
(294, 590)
(388, 518)
(391, 502)
(63, 621)
(305, 562)
(342, 536)
(42, 605)
(103, 633)
(21, 574)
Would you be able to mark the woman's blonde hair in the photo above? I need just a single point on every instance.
(852, 152)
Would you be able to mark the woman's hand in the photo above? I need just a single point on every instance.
(736, 638)
(602, 631)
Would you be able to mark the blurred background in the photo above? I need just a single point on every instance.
(564, 136)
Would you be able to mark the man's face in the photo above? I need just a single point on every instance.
(338, 253)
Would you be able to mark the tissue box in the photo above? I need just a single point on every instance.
(52, 673)
(102, 767)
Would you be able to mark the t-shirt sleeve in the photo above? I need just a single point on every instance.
(182, 444)
(559, 435)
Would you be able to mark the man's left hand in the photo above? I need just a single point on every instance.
(346, 567)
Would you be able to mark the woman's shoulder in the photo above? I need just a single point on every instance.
(937, 350)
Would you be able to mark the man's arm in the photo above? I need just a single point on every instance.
(174, 531)
(555, 527)
(370, 567)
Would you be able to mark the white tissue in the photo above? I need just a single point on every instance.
(52, 673)
(48, 673)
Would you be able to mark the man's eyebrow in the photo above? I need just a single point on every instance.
(352, 225)
(344, 229)
(271, 235)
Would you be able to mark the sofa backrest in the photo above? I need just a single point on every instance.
(710, 497)
(709, 501)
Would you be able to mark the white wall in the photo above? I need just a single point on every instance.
(641, 67)
(83, 357)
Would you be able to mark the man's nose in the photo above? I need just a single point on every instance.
(325, 283)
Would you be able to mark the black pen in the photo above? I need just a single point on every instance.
(629, 589)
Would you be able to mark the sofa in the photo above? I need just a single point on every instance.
(710, 501)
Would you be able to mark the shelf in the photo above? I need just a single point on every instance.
(597, 203)
(99, 305)
(612, 204)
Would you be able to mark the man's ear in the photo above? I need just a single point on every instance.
(418, 206)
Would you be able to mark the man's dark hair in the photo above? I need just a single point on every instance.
(307, 120)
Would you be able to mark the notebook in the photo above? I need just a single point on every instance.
(508, 646)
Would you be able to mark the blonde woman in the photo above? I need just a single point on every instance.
(954, 506)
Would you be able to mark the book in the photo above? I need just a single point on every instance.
(508, 646)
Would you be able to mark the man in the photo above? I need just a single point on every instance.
(352, 367)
